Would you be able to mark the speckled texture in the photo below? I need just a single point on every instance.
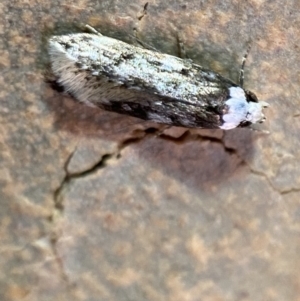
(97, 206)
(119, 77)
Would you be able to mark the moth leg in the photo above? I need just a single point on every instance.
(140, 16)
(92, 30)
(261, 131)
(143, 44)
(241, 77)
(181, 48)
(258, 130)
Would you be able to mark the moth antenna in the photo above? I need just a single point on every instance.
(241, 78)
(91, 29)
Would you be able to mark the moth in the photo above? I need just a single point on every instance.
(115, 76)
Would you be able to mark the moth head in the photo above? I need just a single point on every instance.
(255, 109)
(242, 109)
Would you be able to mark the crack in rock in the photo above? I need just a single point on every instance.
(269, 181)
(58, 259)
(58, 200)
(143, 12)
(135, 29)
(151, 131)
(59, 207)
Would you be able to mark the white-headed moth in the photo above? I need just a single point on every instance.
(127, 79)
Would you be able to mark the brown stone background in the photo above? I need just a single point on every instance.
(96, 206)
